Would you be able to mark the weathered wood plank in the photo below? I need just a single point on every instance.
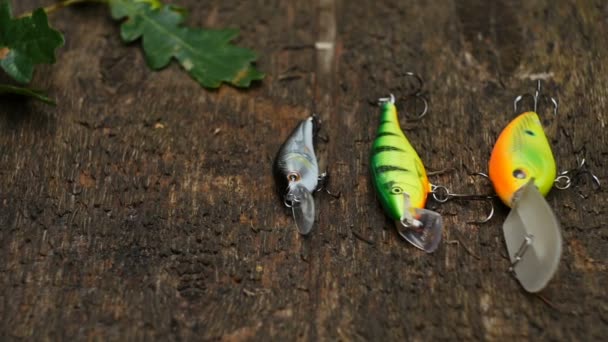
(142, 206)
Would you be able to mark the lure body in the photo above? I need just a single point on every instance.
(396, 167)
(521, 153)
(401, 183)
(296, 173)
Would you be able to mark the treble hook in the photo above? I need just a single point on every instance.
(291, 202)
(564, 181)
(442, 194)
(481, 174)
(535, 97)
(417, 93)
(323, 180)
(418, 90)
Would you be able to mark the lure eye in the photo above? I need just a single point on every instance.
(396, 190)
(293, 177)
(519, 174)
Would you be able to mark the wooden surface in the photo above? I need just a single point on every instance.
(142, 206)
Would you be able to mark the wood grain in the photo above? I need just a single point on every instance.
(142, 206)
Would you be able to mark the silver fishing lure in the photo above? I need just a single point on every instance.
(297, 174)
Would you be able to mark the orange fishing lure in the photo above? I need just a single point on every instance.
(522, 170)
(521, 153)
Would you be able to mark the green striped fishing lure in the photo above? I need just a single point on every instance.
(401, 182)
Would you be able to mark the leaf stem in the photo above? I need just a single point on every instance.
(54, 7)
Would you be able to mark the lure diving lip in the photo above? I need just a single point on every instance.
(531, 229)
(401, 182)
(296, 172)
(522, 170)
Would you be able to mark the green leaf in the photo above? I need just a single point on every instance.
(36, 94)
(26, 42)
(206, 55)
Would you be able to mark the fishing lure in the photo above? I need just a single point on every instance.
(296, 173)
(522, 171)
(522, 154)
(401, 182)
